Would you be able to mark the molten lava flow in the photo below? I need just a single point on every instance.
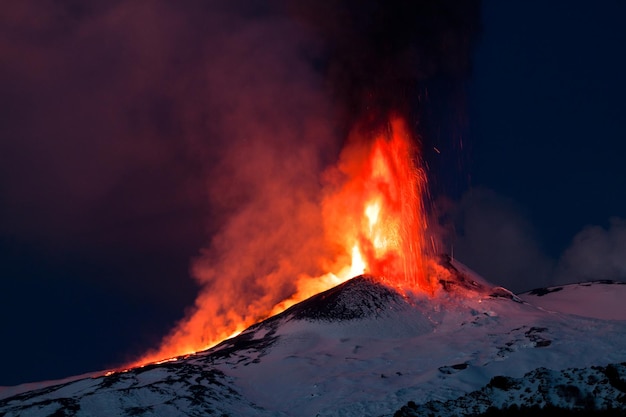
(374, 222)
(374, 215)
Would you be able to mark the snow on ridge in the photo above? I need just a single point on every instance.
(602, 299)
(10, 391)
(171, 388)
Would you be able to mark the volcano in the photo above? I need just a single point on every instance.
(369, 348)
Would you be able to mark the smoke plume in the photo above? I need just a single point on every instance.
(595, 253)
(288, 88)
(139, 127)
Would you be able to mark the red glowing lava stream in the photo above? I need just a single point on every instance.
(374, 219)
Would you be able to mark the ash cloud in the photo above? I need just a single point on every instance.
(394, 56)
(286, 87)
(135, 132)
(116, 112)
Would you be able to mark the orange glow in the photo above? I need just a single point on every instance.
(374, 221)
(379, 208)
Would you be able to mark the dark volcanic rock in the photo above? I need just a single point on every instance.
(358, 298)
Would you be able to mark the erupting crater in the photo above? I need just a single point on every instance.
(374, 223)
(377, 213)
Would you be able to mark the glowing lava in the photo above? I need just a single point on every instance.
(377, 211)
(374, 222)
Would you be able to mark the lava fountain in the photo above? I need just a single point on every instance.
(377, 212)
(374, 222)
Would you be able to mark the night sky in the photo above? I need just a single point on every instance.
(115, 166)
(547, 141)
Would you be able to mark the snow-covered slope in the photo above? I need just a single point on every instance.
(598, 299)
(593, 388)
(362, 348)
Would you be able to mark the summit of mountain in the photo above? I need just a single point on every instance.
(367, 347)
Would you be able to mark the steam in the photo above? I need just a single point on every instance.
(595, 253)
(494, 236)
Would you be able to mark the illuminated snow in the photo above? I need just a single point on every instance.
(373, 362)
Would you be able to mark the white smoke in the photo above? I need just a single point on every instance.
(595, 253)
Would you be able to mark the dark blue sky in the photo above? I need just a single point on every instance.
(96, 243)
(547, 110)
(547, 141)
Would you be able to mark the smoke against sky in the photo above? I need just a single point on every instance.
(273, 126)
(147, 147)
(282, 91)
(595, 253)
(97, 160)
(119, 114)
(492, 234)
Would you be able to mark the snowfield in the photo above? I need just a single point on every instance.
(604, 301)
(365, 349)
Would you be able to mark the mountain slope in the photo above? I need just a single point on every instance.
(362, 348)
(593, 388)
(597, 299)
